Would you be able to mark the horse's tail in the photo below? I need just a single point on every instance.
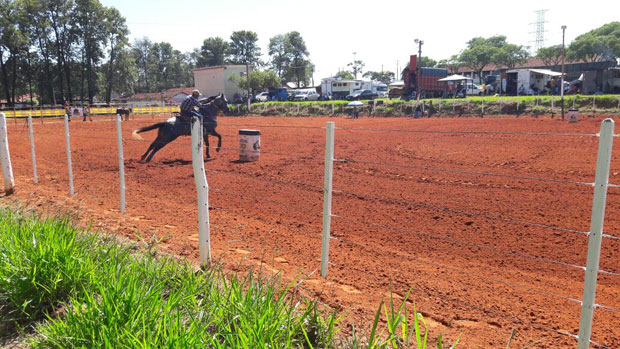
(135, 134)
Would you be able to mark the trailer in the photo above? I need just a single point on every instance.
(336, 88)
(528, 81)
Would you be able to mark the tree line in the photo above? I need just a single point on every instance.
(600, 44)
(78, 51)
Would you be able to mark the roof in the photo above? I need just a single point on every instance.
(455, 77)
(533, 62)
(157, 96)
(540, 71)
(221, 66)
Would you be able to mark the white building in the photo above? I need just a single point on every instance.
(214, 80)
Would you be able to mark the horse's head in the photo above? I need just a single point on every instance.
(219, 102)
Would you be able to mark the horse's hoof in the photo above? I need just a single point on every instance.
(217, 149)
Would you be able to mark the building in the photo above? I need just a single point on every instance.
(171, 96)
(214, 80)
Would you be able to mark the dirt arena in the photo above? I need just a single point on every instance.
(482, 253)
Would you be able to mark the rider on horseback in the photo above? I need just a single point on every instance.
(188, 107)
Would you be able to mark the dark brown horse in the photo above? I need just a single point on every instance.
(176, 126)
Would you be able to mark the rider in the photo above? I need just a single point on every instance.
(188, 105)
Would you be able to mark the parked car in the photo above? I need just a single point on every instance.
(361, 94)
(262, 97)
(307, 96)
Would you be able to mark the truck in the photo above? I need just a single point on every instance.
(428, 81)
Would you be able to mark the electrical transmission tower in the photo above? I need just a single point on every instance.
(540, 30)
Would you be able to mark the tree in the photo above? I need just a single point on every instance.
(243, 48)
(13, 39)
(259, 80)
(344, 75)
(214, 51)
(289, 58)
(597, 45)
(452, 64)
(279, 49)
(510, 55)
(116, 34)
(427, 62)
(385, 77)
(551, 55)
(357, 67)
(480, 52)
(140, 51)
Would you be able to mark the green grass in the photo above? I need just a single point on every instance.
(94, 292)
(61, 287)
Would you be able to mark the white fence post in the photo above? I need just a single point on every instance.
(596, 231)
(327, 196)
(34, 158)
(297, 108)
(333, 108)
(69, 165)
(202, 189)
(552, 103)
(5, 158)
(121, 160)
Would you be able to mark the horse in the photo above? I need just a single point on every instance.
(177, 126)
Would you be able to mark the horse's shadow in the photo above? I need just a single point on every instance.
(176, 162)
(181, 162)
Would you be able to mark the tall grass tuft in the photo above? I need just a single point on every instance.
(96, 292)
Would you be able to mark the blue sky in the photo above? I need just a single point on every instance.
(381, 32)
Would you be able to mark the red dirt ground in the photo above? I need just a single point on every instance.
(473, 248)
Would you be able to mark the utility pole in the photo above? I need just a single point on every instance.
(562, 78)
(247, 80)
(397, 74)
(418, 74)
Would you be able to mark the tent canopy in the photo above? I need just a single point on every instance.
(545, 72)
(455, 77)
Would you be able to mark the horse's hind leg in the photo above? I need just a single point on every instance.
(157, 146)
(148, 150)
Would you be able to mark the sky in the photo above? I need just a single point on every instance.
(380, 33)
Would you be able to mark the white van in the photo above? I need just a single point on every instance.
(307, 95)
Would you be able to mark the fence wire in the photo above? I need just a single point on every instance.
(480, 309)
(443, 169)
(518, 133)
(488, 248)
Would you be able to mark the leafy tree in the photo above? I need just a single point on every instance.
(116, 34)
(452, 64)
(289, 58)
(214, 51)
(344, 75)
(259, 80)
(13, 39)
(140, 51)
(301, 68)
(596, 45)
(481, 52)
(385, 77)
(551, 55)
(357, 67)
(427, 62)
(279, 49)
(510, 55)
(243, 48)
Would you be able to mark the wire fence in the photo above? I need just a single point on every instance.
(307, 203)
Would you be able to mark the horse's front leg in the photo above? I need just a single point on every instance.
(206, 137)
(219, 140)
